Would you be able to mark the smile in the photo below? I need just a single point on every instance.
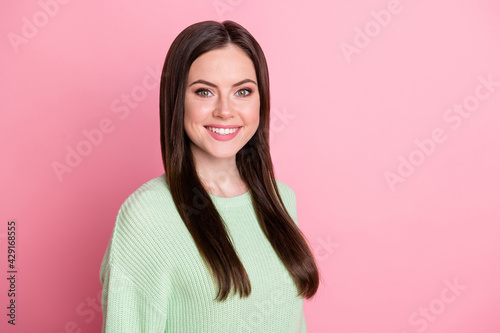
(223, 131)
(223, 134)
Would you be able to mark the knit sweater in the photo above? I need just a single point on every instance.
(154, 279)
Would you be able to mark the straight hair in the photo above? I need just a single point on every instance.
(253, 163)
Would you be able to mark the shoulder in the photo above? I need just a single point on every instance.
(147, 194)
(144, 218)
(150, 199)
(289, 198)
(285, 188)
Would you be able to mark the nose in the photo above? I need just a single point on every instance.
(223, 108)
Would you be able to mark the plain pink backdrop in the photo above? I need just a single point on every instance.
(398, 191)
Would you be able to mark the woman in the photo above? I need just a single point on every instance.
(213, 244)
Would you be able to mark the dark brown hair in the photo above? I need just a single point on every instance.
(253, 162)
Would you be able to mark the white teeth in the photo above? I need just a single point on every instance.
(223, 131)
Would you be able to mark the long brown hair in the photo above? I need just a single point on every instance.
(253, 162)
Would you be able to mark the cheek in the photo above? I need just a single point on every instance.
(254, 119)
(195, 112)
(253, 114)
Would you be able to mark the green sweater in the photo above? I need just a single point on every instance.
(154, 279)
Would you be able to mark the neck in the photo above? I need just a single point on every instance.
(219, 176)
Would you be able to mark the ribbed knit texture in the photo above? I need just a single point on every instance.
(154, 279)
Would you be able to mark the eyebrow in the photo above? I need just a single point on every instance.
(215, 86)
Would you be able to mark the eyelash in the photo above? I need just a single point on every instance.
(199, 91)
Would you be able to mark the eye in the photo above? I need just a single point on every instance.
(203, 92)
(244, 92)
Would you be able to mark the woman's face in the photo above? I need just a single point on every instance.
(222, 103)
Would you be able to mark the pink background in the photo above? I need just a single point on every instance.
(389, 251)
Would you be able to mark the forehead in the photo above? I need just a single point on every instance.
(229, 63)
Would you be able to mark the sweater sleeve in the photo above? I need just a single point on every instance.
(130, 298)
(304, 325)
(125, 307)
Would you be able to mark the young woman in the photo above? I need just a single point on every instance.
(213, 244)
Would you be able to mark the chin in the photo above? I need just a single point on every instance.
(215, 151)
(223, 154)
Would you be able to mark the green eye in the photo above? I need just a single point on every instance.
(203, 92)
(243, 92)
